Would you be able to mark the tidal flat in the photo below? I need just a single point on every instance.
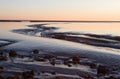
(44, 51)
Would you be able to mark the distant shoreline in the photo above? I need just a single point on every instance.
(82, 21)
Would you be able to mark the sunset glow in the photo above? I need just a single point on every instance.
(60, 9)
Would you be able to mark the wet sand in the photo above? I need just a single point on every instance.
(48, 43)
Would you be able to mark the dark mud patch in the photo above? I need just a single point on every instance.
(5, 42)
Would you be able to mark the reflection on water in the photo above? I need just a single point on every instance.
(59, 46)
(6, 27)
(96, 28)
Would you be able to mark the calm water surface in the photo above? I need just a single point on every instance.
(95, 28)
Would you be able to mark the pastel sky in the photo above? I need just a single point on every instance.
(60, 9)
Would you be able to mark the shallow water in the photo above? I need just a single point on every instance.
(28, 42)
(95, 28)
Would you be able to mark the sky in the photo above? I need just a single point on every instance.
(60, 9)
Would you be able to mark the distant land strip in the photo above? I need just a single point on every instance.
(90, 21)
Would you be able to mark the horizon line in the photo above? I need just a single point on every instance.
(10, 20)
